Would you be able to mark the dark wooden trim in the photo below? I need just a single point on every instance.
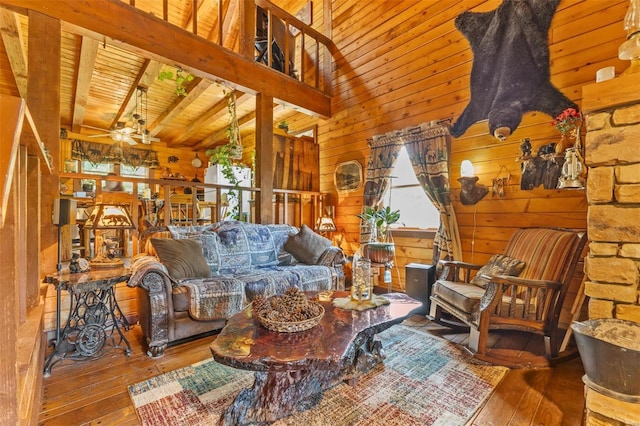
(413, 233)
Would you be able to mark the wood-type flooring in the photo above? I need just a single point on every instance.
(95, 392)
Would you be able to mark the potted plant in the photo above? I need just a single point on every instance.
(380, 249)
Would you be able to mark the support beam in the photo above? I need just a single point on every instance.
(43, 100)
(264, 157)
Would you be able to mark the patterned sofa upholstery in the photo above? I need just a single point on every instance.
(244, 260)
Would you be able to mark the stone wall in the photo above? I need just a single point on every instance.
(612, 155)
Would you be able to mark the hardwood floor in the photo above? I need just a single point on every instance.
(95, 392)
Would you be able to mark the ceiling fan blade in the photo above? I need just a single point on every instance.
(145, 138)
(128, 139)
(103, 135)
(95, 128)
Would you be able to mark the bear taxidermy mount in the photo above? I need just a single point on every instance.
(510, 71)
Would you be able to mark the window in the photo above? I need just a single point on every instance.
(96, 169)
(137, 172)
(406, 195)
(127, 171)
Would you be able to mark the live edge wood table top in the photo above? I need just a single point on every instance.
(293, 369)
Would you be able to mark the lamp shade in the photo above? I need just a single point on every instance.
(196, 162)
(110, 216)
(325, 224)
(466, 169)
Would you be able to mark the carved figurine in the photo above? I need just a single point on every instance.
(74, 266)
(525, 147)
(78, 264)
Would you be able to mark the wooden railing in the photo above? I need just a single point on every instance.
(221, 22)
(289, 206)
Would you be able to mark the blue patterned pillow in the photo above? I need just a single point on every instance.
(244, 245)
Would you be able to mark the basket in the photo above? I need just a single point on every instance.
(292, 326)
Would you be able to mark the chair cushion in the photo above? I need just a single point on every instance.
(463, 296)
(307, 246)
(499, 264)
(183, 258)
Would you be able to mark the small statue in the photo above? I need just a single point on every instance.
(525, 147)
(78, 264)
(74, 265)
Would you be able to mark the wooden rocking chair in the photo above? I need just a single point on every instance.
(495, 299)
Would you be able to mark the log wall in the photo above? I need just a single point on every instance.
(403, 63)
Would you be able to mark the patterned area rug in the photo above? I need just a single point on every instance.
(425, 380)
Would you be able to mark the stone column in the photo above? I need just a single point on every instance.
(612, 155)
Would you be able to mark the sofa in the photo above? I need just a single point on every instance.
(190, 279)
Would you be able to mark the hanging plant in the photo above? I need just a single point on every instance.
(233, 129)
(221, 155)
(182, 79)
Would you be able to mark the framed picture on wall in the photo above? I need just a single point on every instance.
(348, 176)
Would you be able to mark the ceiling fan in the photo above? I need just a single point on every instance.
(124, 133)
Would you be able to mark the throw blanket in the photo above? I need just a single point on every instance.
(510, 73)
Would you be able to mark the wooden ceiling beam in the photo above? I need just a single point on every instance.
(209, 114)
(13, 43)
(153, 38)
(148, 72)
(216, 138)
(177, 107)
(88, 54)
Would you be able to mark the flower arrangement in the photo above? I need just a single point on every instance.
(567, 120)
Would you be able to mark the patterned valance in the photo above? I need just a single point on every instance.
(115, 153)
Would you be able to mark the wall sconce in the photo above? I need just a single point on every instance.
(470, 192)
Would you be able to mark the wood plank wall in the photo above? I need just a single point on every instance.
(402, 63)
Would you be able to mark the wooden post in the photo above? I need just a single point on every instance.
(247, 13)
(264, 157)
(43, 100)
(34, 191)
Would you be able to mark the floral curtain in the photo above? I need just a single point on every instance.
(115, 153)
(428, 147)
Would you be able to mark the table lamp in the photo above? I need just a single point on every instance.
(105, 216)
(325, 225)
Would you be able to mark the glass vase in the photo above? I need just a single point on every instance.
(361, 282)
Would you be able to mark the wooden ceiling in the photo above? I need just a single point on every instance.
(99, 77)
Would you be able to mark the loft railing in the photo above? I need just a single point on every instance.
(296, 48)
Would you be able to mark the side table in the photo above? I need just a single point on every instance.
(95, 318)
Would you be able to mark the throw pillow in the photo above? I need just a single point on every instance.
(306, 245)
(183, 257)
(499, 264)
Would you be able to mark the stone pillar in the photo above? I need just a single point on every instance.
(612, 156)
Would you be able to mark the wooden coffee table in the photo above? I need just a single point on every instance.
(293, 369)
